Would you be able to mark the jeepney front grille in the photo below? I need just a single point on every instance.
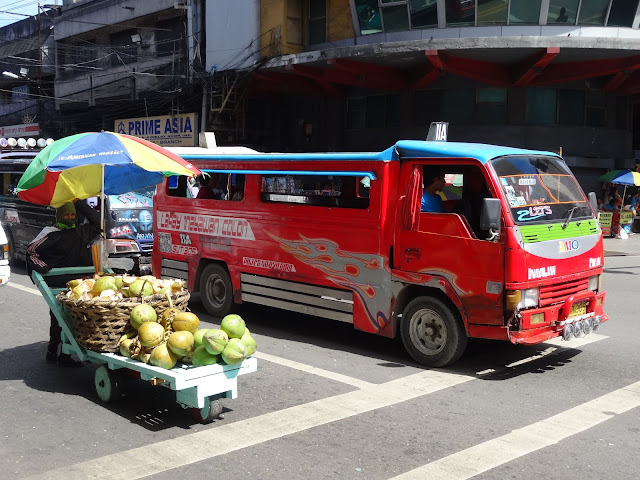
(558, 293)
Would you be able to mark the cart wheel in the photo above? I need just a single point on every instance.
(212, 411)
(108, 384)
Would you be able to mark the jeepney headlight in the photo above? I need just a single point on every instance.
(529, 298)
(4, 251)
(519, 299)
(595, 283)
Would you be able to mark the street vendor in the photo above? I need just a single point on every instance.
(66, 244)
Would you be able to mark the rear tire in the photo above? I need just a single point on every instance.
(216, 290)
(432, 333)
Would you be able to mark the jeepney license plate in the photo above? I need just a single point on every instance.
(578, 309)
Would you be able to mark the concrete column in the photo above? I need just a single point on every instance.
(636, 20)
(544, 12)
(442, 14)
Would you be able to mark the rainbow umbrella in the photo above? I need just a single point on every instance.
(621, 177)
(97, 164)
(89, 164)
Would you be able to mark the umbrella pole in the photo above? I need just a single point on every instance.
(102, 236)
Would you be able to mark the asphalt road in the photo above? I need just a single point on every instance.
(328, 402)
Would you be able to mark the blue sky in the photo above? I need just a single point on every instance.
(25, 7)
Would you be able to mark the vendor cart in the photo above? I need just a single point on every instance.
(197, 388)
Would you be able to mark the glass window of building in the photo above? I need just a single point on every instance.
(593, 12)
(355, 112)
(317, 21)
(457, 105)
(493, 12)
(375, 113)
(424, 13)
(622, 13)
(368, 16)
(571, 107)
(426, 107)
(595, 111)
(524, 12)
(394, 110)
(621, 112)
(395, 17)
(563, 12)
(460, 12)
(491, 106)
(541, 106)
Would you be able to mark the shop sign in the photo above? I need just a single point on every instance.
(605, 219)
(626, 218)
(23, 130)
(164, 130)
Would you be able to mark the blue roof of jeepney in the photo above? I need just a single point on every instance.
(402, 149)
(480, 151)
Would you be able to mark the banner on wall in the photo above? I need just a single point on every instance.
(164, 130)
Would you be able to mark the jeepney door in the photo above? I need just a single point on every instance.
(450, 246)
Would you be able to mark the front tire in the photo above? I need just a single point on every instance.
(216, 290)
(432, 333)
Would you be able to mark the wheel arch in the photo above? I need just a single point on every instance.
(410, 292)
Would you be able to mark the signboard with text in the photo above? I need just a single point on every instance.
(605, 219)
(165, 130)
(23, 130)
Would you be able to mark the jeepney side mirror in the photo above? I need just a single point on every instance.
(490, 214)
(593, 201)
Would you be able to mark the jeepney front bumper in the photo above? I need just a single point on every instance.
(578, 315)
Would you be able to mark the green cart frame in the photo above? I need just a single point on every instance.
(197, 388)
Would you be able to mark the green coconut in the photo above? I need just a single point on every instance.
(142, 313)
(215, 340)
(200, 357)
(233, 325)
(250, 344)
(234, 352)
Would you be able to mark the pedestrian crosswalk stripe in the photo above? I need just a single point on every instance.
(188, 449)
(24, 289)
(523, 441)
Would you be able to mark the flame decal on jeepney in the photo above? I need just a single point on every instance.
(352, 270)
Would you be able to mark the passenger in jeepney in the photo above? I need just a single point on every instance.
(433, 178)
(213, 188)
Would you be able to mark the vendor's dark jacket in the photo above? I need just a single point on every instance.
(66, 248)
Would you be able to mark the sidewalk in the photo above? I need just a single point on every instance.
(614, 247)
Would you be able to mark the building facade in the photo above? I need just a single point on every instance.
(349, 75)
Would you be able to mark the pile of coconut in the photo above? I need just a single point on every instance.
(117, 287)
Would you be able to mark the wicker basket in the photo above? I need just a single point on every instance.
(98, 324)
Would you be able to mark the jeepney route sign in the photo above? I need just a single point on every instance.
(205, 224)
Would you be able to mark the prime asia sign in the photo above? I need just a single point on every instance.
(165, 130)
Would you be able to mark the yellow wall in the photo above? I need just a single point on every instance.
(339, 20)
(275, 29)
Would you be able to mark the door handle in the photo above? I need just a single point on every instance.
(412, 252)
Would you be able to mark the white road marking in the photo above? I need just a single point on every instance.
(313, 370)
(523, 441)
(24, 289)
(143, 461)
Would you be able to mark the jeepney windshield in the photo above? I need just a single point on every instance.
(540, 189)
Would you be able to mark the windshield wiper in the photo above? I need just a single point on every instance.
(564, 225)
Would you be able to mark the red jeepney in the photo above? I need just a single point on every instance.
(516, 253)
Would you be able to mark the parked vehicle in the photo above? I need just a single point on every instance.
(517, 257)
(128, 217)
(5, 271)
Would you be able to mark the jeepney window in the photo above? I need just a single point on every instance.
(210, 186)
(343, 191)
